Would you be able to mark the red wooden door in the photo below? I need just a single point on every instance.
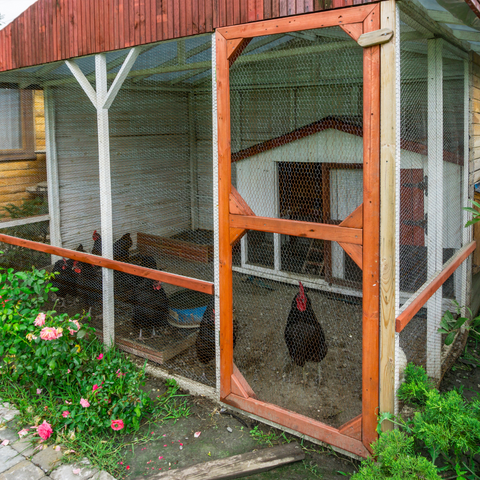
(412, 208)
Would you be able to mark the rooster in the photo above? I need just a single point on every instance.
(120, 248)
(89, 284)
(97, 244)
(303, 333)
(151, 307)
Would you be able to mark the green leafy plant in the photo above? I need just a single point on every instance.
(451, 324)
(475, 213)
(416, 387)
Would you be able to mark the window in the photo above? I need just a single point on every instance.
(17, 132)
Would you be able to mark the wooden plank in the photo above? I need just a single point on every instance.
(371, 224)
(302, 22)
(299, 423)
(378, 37)
(240, 380)
(322, 231)
(353, 428)
(388, 106)
(430, 287)
(353, 29)
(172, 279)
(237, 204)
(23, 221)
(224, 188)
(237, 466)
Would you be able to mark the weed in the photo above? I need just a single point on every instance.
(265, 438)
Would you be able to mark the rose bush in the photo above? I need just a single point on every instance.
(60, 357)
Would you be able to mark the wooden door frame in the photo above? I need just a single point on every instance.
(356, 435)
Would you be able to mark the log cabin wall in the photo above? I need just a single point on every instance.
(52, 30)
(17, 176)
(474, 173)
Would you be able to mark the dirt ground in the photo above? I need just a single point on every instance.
(177, 446)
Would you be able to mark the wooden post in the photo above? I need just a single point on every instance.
(388, 112)
(53, 181)
(435, 201)
(224, 182)
(192, 128)
(105, 197)
(371, 240)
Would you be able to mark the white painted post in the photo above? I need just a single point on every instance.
(53, 183)
(435, 201)
(105, 197)
(102, 99)
(193, 162)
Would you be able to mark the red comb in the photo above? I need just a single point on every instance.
(301, 299)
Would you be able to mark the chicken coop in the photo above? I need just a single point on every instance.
(264, 202)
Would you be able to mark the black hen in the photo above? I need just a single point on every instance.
(151, 308)
(89, 284)
(97, 244)
(66, 280)
(205, 343)
(303, 333)
(121, 248)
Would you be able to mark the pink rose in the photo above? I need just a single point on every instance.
(117, 424)
(50, 333)
(40, 320)
(95, 387)
(100, 356)
(84, 403)
(45, 430)
(65, 414)
(39, 391)
(71, 330)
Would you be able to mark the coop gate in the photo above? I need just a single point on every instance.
(298, 126)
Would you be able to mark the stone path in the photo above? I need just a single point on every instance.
(20, 461)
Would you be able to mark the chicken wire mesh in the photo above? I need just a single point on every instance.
(297, 154)
(160, 147)
(431, 188)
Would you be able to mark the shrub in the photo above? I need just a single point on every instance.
(59, 358)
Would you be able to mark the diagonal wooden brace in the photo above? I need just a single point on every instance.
(354, 220)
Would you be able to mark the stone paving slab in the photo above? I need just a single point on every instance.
(65, 472)
(47, 459)
(8, 434)
(103, 475)
(9, 458)
(24, 446)
(24, 470)
(7, 412)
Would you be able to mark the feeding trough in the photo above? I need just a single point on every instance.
(191, 316)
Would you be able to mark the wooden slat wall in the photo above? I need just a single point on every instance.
(149, 164)
(52, 30)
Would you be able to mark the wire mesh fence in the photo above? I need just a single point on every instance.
(296, 112)
(432, 190)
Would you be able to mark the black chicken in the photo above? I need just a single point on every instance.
(151, 307)
(66, 279)
(303, 333)
(89, 284)
(205, 343)
(97, 244)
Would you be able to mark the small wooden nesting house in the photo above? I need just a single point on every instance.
(246, 156)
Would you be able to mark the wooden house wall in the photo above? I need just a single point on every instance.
(52, 30)
(16, 177)
(150, 164)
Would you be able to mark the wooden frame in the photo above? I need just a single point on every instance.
(27, 152)
(431, 287)
(228, 40)
(171, 278)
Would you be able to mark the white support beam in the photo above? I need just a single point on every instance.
(435, 201)
(82, 80)
(193, 162)
(24, 221)
(105, 197)
(121, 76)
(53, 182)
